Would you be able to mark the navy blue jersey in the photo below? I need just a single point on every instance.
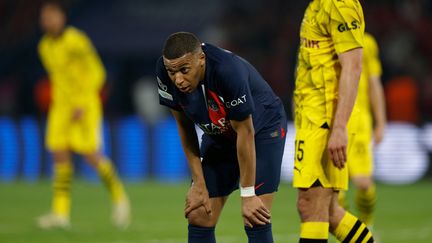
(231, 90)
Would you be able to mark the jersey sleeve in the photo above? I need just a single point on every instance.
(233, 78)
(166, 90)
(91, 69)
(43, 56)
(346, 25)
(371, 54)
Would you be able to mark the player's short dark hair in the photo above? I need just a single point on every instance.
(60, 5)
(179, 44)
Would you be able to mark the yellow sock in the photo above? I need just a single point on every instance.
(351, 230)
(316, 231)
(365, 202)
(109, 177)
(62, 180)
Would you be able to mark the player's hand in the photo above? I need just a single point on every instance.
(254, 212)
(196, 197)
(77, 114)
(337, 146)
(378, 134)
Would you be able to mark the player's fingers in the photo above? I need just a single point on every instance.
(187, 211)
(207, 207)
(258, 219)
(344, 155)
(247, 222)
(189, 208)
(261, 217)
(334, 157)
(264, 211)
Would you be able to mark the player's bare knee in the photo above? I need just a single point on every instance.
(305, 207)
(314, 204)
(61, 156)
(199, 217)
(363, 183)
(92, 158)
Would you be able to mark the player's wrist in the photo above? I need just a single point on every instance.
(248, 191)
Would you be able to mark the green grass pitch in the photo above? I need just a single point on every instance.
(404, 214)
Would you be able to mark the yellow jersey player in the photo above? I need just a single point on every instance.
(74, 119)
(327, 76)
(371, 105)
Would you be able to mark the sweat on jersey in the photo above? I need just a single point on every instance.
(232, 89)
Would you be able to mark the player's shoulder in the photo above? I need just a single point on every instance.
(160, 66)
(216, 53)
(370, 45)
(340, 6)
(161, 73)
(74, 34)
(369, 40)
(220, 60)
(43, 41)
(353, 4)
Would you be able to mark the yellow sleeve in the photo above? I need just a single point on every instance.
(91, 68)
(43, 55)
(371, 55)
(346, 25)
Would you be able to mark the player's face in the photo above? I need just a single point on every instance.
(187, 71)
(52, 20)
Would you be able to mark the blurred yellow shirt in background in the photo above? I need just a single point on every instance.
(74, 68)
(77, 75)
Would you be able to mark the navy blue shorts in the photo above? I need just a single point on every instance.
(221, 169)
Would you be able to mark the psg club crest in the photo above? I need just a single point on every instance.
(212, 105)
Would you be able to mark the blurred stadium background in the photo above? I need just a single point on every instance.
(141, 136)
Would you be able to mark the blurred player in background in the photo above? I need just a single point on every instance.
(327, 77)
(74, 119)
(244, 126)
(371, 121)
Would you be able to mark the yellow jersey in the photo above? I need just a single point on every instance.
(329, 28)
(74, 68)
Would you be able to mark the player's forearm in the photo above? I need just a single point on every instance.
(246, 158)
(190, 146)
(351, 63)
(376, 95)
(95, 73)
(246, 151)
(191, 150)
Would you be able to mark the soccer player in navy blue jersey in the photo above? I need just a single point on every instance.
(244, 127)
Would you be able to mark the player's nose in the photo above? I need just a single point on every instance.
(179, 79)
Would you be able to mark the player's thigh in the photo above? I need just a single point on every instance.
(86, 134)
(57, 130)
(269, 153)
(199, 216)
(309, 155)
(312, 162)
(221, 170)
(314, 203)
(267, 199)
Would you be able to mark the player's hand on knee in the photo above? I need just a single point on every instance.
(196, 197)
(254, 211)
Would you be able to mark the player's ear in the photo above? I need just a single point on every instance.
(201, 58)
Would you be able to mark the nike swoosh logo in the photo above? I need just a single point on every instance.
(259, 185)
